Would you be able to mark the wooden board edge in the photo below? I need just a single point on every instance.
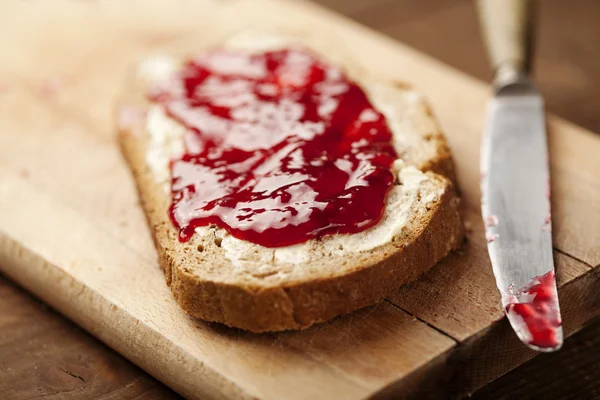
(430, 382)
(134, 339)
(192, 383)
(494, 351)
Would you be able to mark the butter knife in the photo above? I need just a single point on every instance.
(515, 181)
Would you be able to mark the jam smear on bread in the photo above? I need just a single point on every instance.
(280, 148)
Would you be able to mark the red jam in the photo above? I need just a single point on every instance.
(281, 148)
(541, 313)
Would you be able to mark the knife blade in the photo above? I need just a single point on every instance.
(515, 183)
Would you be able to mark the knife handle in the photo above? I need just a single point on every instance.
(506, 26)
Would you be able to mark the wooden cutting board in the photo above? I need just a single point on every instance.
(72, 232)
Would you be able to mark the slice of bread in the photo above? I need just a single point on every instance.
(217, 277)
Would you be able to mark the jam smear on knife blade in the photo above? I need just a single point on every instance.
(280, 148)
(539, 311)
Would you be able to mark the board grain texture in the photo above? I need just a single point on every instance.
(72, 231)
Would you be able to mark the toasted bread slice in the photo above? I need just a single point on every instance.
(217, 277)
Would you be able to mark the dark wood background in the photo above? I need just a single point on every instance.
(44, 355)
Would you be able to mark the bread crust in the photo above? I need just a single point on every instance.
(273, 304)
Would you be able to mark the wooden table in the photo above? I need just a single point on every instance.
(45, 355)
